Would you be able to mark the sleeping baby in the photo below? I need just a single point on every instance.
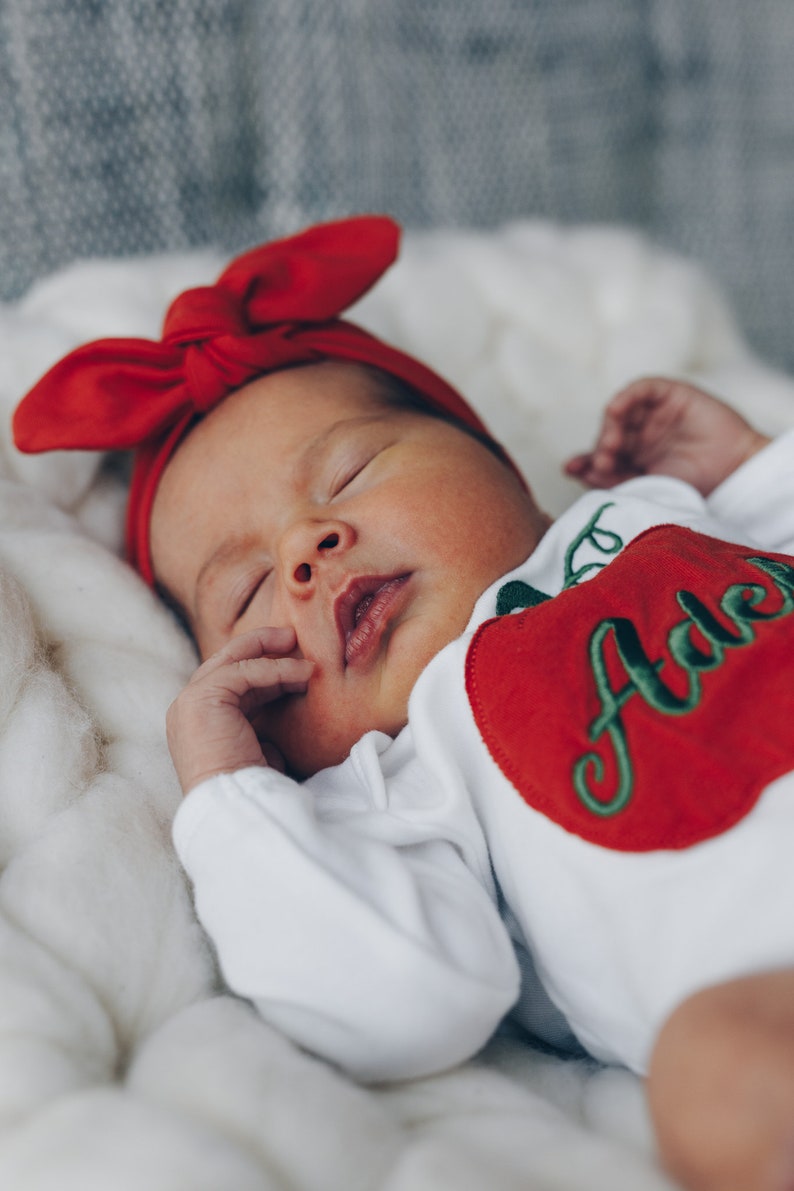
(447, 761)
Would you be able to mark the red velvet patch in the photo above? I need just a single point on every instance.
(648, 707)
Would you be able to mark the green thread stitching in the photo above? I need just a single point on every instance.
(517, 594)
(610, 544)
(739, 603)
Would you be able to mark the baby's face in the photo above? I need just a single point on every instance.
(304, 501)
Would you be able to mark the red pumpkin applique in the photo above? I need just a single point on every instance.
(649, 706)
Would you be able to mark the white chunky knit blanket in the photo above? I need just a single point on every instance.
(124, 1066)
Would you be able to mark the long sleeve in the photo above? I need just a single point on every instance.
(757, 500)
(355, 910)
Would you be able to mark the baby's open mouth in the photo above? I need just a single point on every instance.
(362, 606)
(363, 612)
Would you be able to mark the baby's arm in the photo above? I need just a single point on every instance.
(667, 427)
(208, 725)
(721, 1086)
(343, 907)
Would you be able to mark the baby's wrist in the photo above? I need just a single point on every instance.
(753, 443)
(714, 469)
(197, 777)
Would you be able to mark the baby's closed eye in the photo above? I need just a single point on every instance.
(245, 593)
(350, 470)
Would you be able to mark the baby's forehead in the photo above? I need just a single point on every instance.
(287, 412)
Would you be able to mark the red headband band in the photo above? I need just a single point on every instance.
(273, 307)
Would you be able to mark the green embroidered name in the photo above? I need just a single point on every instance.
(739, 604)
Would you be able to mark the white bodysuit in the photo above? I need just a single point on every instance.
(388, 913)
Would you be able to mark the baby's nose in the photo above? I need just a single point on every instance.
(308, 546)
(303, 571)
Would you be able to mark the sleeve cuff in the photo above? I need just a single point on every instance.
(756, 489)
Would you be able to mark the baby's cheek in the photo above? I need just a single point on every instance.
(309, 731)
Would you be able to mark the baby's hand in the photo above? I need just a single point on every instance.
(208, 724)
(667, 427)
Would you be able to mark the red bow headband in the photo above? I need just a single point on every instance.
(273, 307)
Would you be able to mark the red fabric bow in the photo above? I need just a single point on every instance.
(271, 308)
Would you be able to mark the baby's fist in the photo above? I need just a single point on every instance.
(208, 724)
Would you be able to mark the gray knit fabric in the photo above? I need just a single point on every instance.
(131, 126)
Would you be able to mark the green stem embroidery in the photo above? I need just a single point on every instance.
(602, 540)
(517, 594)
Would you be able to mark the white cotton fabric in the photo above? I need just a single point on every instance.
(124, 1061)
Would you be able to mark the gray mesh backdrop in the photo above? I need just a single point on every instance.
(131, 126)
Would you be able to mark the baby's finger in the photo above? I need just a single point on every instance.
(582, 467)
(260, 680)
(272, 678)
(577, 465)
(261, 642)
(627, 414)
(648, 390)
(608, 443)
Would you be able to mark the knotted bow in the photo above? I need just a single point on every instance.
(271, 308)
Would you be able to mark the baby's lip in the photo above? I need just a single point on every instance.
(363, 610)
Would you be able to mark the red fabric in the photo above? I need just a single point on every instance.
(531, 681)
(273, 307)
